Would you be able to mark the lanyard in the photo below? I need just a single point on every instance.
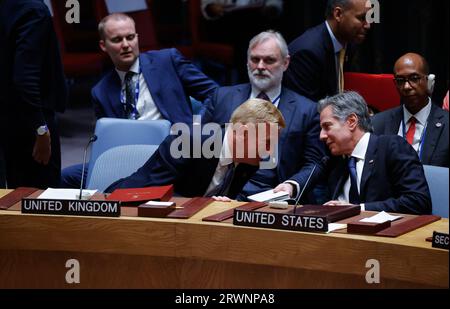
(422, 137)
(123, 100)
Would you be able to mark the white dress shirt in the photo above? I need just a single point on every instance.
(421, 124)
(145, 105)
(360, 154)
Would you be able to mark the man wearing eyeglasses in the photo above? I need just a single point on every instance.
(423, 124)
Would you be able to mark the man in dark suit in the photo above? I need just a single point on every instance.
(377, 172)
(32, 87)
(299, 147)
(220, 170)
(423, 124)
(149, 86)
(318, 55)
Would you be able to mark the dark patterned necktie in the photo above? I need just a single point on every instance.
(130, 104)
(222, 188)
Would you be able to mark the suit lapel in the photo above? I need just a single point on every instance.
(329, 50)
(113, 92)
(341, 174)
(149, 69)
(393, 122)
(369, 163)
(287, 108)
(435, 125)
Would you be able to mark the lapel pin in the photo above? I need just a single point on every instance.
(371, 161)
(438, 125)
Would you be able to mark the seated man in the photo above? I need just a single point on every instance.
(222, 170)
(149, 86)
(423, 124)
(377, 172)
(299, 148)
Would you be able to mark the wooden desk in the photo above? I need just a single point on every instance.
(173, 253)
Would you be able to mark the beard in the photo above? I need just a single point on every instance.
(264, 80)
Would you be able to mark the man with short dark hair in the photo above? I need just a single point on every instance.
(319, 54)
(423, 124)
(377, 172)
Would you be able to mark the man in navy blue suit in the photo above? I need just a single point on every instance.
(299, 147)
(378, 172)
(423, 124)
(222, 163)
(148, 86)
(318, 55)
(32, 90)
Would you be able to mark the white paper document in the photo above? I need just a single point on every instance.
(65, 194)
(380, 218)
(158, 203)
(336, 226)
(269, 195)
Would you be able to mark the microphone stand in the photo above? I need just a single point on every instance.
(91, 140)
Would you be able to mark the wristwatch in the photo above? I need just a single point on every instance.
(42, 130)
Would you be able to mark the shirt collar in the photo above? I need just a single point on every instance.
(361, 147)
(134, 68)
(421, 116)
(273, 93)
(337, 46)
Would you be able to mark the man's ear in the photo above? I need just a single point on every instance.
(352, 121)
(101, 43)
(337, 13)
(287, 60)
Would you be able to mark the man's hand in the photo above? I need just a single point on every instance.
(42, 149)
(286, 187)
(222, 198)
(337, 203)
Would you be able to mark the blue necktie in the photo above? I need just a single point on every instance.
(353, 194)
(130, 104)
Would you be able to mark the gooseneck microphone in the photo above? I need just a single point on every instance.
(324, 162)
(91, 140)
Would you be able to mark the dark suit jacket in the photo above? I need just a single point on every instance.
(299, 145)
(312, 71)
(170, 78)
(392, 180)
(435, 149)
(32, 87)
(190, 176)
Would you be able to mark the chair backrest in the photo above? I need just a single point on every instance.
(378, 90)
(113, 132)
(118, 162)
(437, 178)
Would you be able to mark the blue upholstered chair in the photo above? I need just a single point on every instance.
(437, 178)
(118, 162)
(113, 132)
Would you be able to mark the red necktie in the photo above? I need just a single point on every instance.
(411, 130)
(262, 95)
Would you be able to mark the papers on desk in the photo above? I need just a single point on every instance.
(268, 196)
(380, 218)
(336, 226)
(65, 194)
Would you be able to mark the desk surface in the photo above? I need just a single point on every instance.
(175, 253)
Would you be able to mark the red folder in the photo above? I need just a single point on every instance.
(135, 196)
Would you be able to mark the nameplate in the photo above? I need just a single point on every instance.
(440, 240)
(71, 207)
(280, 221)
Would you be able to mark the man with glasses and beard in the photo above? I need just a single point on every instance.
(299, 148)
(423, 124)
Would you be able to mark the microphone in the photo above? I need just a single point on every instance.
(324, 162)
(91, 140)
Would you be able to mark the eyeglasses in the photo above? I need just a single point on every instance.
(413, 80)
